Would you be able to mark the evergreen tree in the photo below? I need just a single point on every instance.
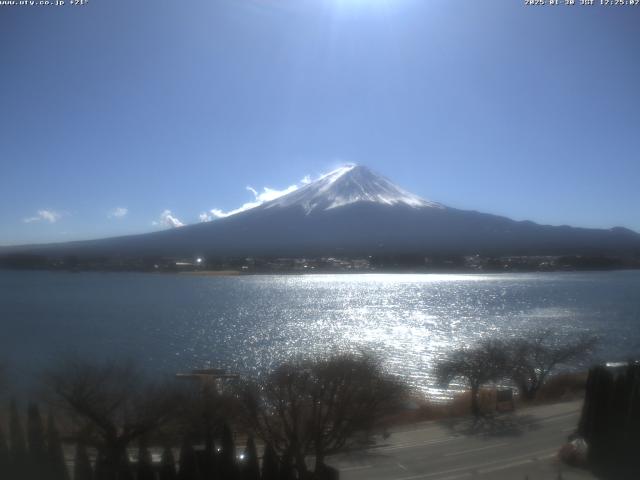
(110, 468)
(207, 458)
(286, 467)
(270, 467)
(168, 465)
(250, 466)
(228, 467)
(124, 471)
(188, 469)
(207, 461)
(610, 421)
(214, 474)
(37, 447)
(144, 470)
(55, 453)
(100, 469)
(18, 455)
(4, 456)
(82, 465)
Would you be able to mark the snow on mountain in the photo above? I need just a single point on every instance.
(352, 211)
(348, 185)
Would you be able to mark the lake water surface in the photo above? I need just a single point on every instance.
(250, 323)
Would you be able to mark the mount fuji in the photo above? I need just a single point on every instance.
(349, 185)
(354, 211)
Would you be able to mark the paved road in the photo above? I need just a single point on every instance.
(511, 446)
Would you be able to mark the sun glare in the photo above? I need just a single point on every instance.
(361, 4)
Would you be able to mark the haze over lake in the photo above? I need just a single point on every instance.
(248, 324)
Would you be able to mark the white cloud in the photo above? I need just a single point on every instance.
(270, 194)
(266, 195)
(167, 219)
(50, 216)
(118, 212)
(217, 213)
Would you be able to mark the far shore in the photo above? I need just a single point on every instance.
(212, 273)
(385, 271)
(236, 273)
(387, 263)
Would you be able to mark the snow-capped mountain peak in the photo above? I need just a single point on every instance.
(347, 185)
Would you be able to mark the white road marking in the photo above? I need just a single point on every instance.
(515, 464)
(354, 468)
(401, 446)
(471, 450)
(423, 427)
(555, 418)
(464, 471)
(456, 477)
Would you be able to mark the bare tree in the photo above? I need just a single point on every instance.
(534, 357)
(320, 407)
(112, 404)
(476, 366)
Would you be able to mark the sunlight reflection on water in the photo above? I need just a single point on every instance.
(408, 320)
(250, 324)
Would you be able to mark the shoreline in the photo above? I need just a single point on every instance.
(209, 273)
(234, 273)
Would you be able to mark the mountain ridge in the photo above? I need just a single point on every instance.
(354, 211)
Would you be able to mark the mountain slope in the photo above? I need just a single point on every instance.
(353, 211)
(348, 185)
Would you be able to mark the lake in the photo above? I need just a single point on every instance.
(248, 324)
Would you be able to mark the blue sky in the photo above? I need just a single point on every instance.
(149, 107)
